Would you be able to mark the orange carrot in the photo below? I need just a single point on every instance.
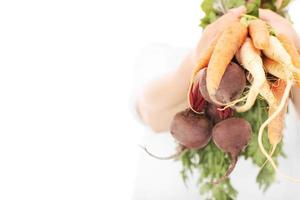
(276, 126)
(205, 55)
(227, 45)
(259, 33)
(202, 62)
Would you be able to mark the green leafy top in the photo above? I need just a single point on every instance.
(213, 9)
(253, 7)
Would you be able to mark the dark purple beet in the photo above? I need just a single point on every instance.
(231, 136)
(191, 130)
(231, 86)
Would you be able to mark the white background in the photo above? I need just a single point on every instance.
(66, 131)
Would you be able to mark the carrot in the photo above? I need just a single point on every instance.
(273, 116)
(276, 126)
(250, 59)
(281, 55)
(277, 52)
(293, 52)
(267, 94)
(203, 60)
(259, 33)
(274, 68)
(228, 44)
(205, 55)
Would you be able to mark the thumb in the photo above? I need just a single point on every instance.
(238, 11)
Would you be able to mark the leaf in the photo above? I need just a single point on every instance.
(211, 17)
(265, 177)
(253, 7)
(207, 6)
(234, 3)
(210, 13)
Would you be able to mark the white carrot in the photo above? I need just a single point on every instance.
(250, 59)
(280, 55)
(267, 94)
(274, 68)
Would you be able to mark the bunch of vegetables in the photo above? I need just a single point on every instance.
(238, 99)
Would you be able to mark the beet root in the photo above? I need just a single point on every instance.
(191, 130)
(231, 136)
(231, 86)
(178, 152)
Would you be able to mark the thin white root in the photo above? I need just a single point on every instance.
(271, 154)
(233, 103)
(176, 155)
(273, 149)
(263, 126)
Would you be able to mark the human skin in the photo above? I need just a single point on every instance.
(162, 98)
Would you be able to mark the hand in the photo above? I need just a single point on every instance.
(281, 25)
(158, 110)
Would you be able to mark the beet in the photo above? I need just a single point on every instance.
(231, 136)
(191, 130)
(203, 87)
(217, 114)
(231, 86)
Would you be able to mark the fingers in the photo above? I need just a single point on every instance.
(269, 16)
(232, 15)
(237, 12)
(279, 24)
